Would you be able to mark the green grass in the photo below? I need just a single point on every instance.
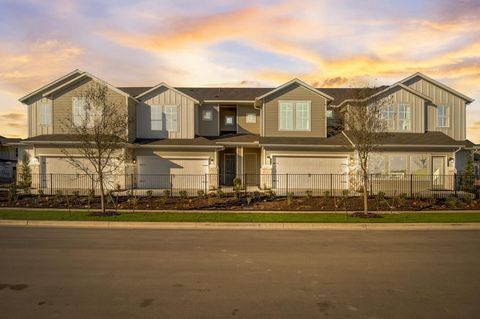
(243, 217)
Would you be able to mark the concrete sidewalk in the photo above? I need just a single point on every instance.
(239, 226)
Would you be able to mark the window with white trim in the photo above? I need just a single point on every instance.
(156, 117)
(79, 111)
(397, 165)
(389, 116)
(207, 115)
(443, 116)
(229, 119)
(376, 164)
(419, 165)
(294, 115)
(171, 117)
(251, 118)
(404, 117)
(329, 114)
(45, 114)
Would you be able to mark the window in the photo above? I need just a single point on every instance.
(294, 115)
(229, 119)
(419, 165)
(251, 118)
(207, 115)
(156, 117)
(302, 116)
(329, 114)
(79, 111)
(376, 164)
(443, 116)
(398, 165)
(45, 114)
(404, 117)
(171, 117)
(389, 116)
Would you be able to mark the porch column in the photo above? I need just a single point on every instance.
(213, 172)
(239, 160)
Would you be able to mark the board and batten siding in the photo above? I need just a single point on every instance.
(63, 100)
(185, 115)
(34, 126)
(295, 92)
(417, 105)
(440, 96)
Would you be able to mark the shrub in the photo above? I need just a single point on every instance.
(451, 201)
(75, 193)
(248, 199)
(12, 194)
(381, 195)
(256, 195)
(166, 193)
(220, 193)
(25, 177)
(201, 193)
(469, 198)
(289, 198)
(41, 192)
(326, 194)
(183, 194)
(149, 193)
(271, 194)
(308, 194)
(237, 183)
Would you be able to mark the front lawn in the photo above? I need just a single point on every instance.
(454, 217)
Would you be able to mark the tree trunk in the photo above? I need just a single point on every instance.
(102, 192)
(365, 193)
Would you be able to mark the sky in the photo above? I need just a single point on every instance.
(237, 43)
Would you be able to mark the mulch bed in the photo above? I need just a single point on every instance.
(263, 203)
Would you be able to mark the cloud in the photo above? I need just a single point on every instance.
(13, 117)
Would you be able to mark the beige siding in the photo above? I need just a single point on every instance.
(440, 96)
(208, 128)
(34, 126)
(173, 153)
(297, 93)
(243, 126)
(132, 125)
(185, 115)
(62, 104)
(417, 104)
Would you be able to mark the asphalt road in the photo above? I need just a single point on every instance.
(87, 273)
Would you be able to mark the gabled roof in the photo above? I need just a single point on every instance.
(49, 85)
(443, 86)
(81, 76)
(386, 89)
(163, 84)
(301, 83)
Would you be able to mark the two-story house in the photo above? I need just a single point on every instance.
(8, 158)
(255, 134)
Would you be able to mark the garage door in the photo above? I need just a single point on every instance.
(318, 174)
(156, 172)
(58, 173)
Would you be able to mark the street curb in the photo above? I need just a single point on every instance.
(238, 226)
(206, 211)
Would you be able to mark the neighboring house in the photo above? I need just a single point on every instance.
(260, 133)
(8, 158)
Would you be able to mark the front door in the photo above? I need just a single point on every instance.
(438, 171)
(229, 169)
(250, 165)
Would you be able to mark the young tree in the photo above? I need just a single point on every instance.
(365, 127)
(25, 175)
(100, 128)
(467, 176)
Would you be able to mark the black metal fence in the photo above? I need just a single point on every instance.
(279, 184)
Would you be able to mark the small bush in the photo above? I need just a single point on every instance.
(271, 194)
(75, 193)
(248, 199)
(451, 201)
(308, 194)
(201, 193)
(381, 195)
(12, 194)
(166, 193)
(183, 194)
(256, 195)
(469, 198)
(220, 193)
(326, 194)
(149, 193)
(289, 198)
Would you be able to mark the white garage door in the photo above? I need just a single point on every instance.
(156, 172)
(318, 174)
(58, 173)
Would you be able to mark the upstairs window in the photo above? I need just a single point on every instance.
(229, 119)
(171, 117)
(329, 114)
(207, 115)
(404, 118)
(389, 117)
(45, 114)
(156, 117)
(294, 115)
(443, 116)
(79, 111)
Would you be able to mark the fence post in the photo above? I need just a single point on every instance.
(370, 184)
(411, 185)
(286, 184)
(93, 184)
(171, 185)
(206, 184)
(245, 182)
(331, 184)
(131, 182)
(51, 184)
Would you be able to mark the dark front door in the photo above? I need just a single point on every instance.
(229, 168)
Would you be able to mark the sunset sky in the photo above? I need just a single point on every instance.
(237, 43)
